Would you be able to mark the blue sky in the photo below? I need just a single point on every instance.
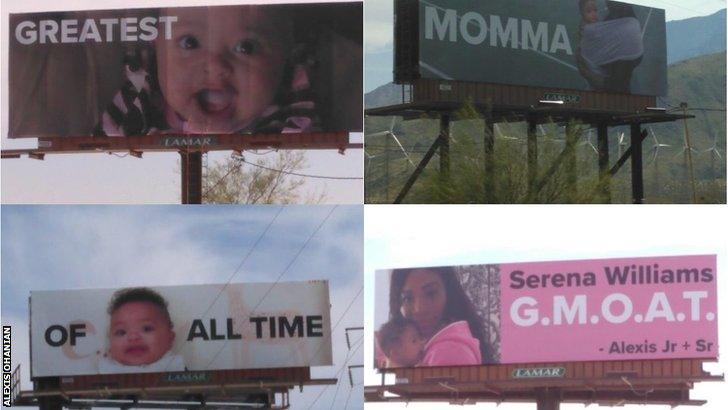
(67, 247)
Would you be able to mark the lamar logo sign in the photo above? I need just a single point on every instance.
(188, 141)
(187, 377)
(538, 372)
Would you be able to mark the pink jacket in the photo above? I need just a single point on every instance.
(453, 345)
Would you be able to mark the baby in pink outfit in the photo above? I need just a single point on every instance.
(401, 342)
(403, 345)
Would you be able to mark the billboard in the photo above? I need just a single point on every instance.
(178, 328)
(583, 310)
(239, 69)
(565, 44)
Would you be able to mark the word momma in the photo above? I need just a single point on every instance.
(515, 33)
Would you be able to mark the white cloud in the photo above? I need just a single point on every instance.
(378, 20)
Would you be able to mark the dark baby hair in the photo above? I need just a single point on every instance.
(128, 295)
(391, 332)
(582, 5)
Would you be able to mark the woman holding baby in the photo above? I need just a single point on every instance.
(430, 305)
(610, 49)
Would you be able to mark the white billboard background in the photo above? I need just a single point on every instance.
(185, 304)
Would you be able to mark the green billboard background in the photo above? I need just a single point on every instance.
(552, 67)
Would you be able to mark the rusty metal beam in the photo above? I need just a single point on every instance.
(167, 390)
(624, 396)
(190, 143)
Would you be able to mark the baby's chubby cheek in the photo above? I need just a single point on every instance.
(174, 82)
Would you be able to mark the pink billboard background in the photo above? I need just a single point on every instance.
(667, 320)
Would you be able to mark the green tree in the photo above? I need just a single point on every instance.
(237, 180)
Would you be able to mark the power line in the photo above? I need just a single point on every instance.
(361, 288)
(242, 262)
(318, 228)
(245, 258)
(237, 167)
(341, 369)
(119, 155)
(348, 396)
(298, 174)
(338, 321)
(262, 153)
(279, 276)
(219, 181)
(706, 109)
(338, 382)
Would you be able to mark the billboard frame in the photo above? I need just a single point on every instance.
(164, 390)
(407, 70)
(541, 112)
(662, 381)
(189, 147)
(441, 99)
(224, 375)
(137, 145)
(53, 393)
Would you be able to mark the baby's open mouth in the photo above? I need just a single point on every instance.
(136, 350)
(215, 101)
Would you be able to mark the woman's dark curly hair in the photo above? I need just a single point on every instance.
(457, 304)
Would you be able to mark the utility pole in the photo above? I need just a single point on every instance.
(191, 165)
(689, 149)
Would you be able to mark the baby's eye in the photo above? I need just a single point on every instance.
(119, 332)
(188, 42)
(148, 328)
(247, 47)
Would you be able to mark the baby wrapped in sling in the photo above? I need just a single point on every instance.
(610, 41)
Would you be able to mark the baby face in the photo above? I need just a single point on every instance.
(409, 349)
(590, 14)
(222, 67)
(139, 334)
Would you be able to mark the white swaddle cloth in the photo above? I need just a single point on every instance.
(170, 362)
(608, 41)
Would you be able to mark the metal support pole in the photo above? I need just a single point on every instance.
(489, 148)
(571, 177)
(387, 150)
(638, 190)
(689, 151)
(532, 159)
(445, 146)
(547, 399)
(191, 164)
(605, 178)
(48, 402)
(416, 173)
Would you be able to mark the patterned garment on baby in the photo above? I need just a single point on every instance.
(138, 108)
